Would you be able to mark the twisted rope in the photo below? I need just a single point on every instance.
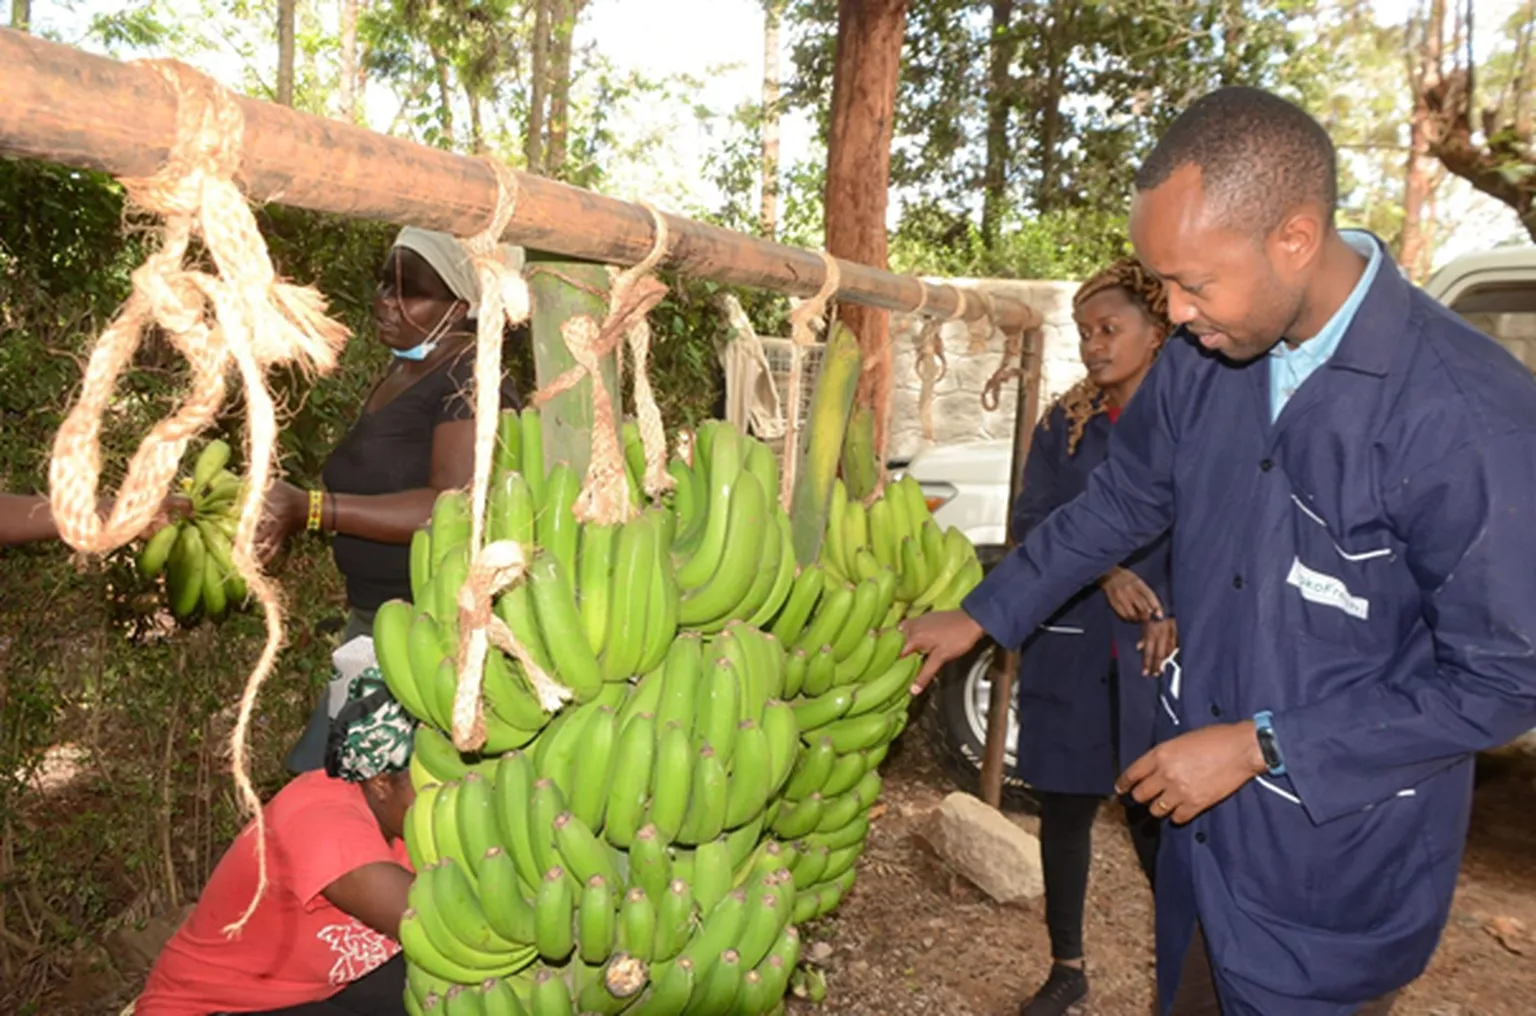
(237, 316)
(802, 321)
(493, 567)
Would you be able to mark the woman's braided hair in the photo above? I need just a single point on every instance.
(1084, 400)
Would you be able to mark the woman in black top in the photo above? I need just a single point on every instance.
(414, 438)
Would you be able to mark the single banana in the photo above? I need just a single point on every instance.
(847, 836)
(212, 459)
(554, 603)
(721, 928)
(717, 990)
(882, 691)
(157, 550)
(751, 772)
(581, 852)
(674, 920)
(848, 669)
(783, 733)
(592, 769)
(628, 599)
(707, 803)
(596, 921)
(784, 580)
(545, 805)
(846, 772)
(682, 674)
(833, 553)
(814, 713)
(630, 784)
(420, 844)
(719, 709)
(650, 868)
(673, 783)
(662, 603)
(391, 645)
(811, 771)
(831, 614)
(185, 575)
(713, 873)
(449, 524)
(554, 914)
(510, 913)
(514, 798)
(803, 596)
(795, 664)
(769, 564)
(476, 820)
(837, 812)
(455, 899)
(858, 732)
(555, 527)
(533, 455)
(599, 545)
(799, 818)
(637, 925)
(422, 951)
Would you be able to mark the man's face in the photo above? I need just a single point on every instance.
(1236, 291)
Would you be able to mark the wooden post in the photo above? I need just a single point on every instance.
(1005, 665)
(561, 290)
(60, 105)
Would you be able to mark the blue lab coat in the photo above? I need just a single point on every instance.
(1069, 739)
(1364, 567)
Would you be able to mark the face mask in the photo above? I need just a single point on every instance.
(418, 352)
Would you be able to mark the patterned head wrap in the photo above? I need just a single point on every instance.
(371, 734)
(1084, 400)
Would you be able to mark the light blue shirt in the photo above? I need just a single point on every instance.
(1289, 368)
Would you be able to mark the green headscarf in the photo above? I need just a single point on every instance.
(371, 734)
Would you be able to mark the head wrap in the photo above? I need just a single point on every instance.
(371, 734)
(1084, 400)
(450, 260)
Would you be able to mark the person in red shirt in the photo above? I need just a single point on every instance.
(323, 940)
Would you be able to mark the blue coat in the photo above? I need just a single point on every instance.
(1364, 567)
(1069, 741)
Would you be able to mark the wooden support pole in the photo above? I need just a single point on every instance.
(60, 105)
(561, 290)
(1005, 665)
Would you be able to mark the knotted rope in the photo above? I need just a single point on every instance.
(240, 315)
(653, 434)
(495, 566)
(802, 321)
(604, 496)
(932, 366)
(1009, 368)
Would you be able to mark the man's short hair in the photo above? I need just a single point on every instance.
(1259, 156)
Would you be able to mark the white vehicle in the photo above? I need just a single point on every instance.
(967, 487)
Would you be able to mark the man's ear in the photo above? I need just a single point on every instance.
(1299, 237)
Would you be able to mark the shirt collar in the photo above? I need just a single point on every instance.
(1321, 347)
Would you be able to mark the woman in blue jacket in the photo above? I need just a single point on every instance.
(1086, 694)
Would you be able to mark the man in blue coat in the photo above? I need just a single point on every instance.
(1350, 475)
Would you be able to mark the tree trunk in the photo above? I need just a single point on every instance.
(533, 140)
(347, 85)
(999, 106)
(476, 132)
(444, 98)
(563, 34)
(768, 216)
(1058, 48)
(21, 15)
(309, 18)
(287, 11)
(864, 78)
(1412, 252)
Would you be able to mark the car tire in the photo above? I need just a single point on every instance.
(957, 724)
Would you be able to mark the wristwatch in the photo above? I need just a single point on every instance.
(1264, 726)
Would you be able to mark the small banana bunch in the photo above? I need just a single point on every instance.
(733, 547)
(896, 534)
(195, 553)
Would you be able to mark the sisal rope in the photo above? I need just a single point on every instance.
(604, 497)
(932, 366)
(493, 567)
(803, 333)
(237, 316)
(653, 434)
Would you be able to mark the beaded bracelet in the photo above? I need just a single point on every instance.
(316, 504)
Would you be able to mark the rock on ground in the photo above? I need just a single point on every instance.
(984, 846)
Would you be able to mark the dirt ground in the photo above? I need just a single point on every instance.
(911, 938)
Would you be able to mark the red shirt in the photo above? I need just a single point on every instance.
(297, 947)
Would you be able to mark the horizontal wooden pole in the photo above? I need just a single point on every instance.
(59, 104)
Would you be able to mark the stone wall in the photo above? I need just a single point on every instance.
(958, 415)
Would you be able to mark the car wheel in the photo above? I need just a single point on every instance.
(958, 724)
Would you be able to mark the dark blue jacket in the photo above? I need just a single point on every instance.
(1365, 567)
(1069, 740)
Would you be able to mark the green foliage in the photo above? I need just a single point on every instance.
(1071, 243)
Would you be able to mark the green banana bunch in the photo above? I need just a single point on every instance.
(196, 554)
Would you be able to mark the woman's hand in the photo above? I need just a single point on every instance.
(285, 512)
(1159, 639)
(1132, 600)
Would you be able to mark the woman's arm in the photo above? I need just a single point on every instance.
(25, 518)
(375, 894)
(386, 518)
